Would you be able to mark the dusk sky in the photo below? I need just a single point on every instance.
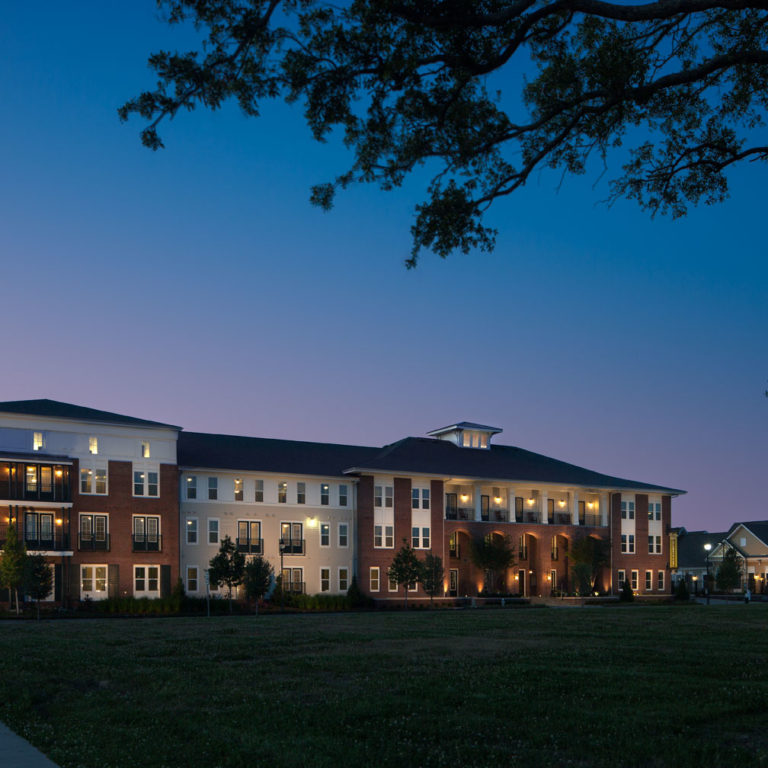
(197, 286)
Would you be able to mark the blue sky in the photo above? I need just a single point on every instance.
(197, 286)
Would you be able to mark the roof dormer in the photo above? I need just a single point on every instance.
(466, 434)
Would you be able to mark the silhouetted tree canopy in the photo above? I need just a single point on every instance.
(486, 92)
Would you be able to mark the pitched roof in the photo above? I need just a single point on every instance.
(200, 449)
(59, 410)
(501, 462)
(690, 548)
(758, 527)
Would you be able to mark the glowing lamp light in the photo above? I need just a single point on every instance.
(59, 473)
(312, 522)
(561, 503)
(59, 521)
(497, 499)
(531, 502)
(464, 497)
(517, 577)
(590, 504)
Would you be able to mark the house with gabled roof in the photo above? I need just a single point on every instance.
(750, 542)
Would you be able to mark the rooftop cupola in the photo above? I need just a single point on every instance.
(466, 434)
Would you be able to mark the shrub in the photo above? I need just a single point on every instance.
(626, 595)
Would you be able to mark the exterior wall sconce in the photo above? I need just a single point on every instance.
(312, 522)
(531, 502)
(464, 497)
(561, 503)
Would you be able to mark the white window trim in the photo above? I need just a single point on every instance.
(188, 528)
(320, 525)
(338, 536)
(93, 467)
(150, 593)
(188, 484)
(94, 594)
(325, 568)
(208, 531)
(197, 579)
(371, 569)
(145, 469)
(338, 577)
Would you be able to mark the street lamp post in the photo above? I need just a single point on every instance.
(282, 577)
(707, 547)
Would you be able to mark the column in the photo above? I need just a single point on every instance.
(575, 508)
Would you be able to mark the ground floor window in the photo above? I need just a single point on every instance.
(293, 580)
(622, 577)
(93, 582)
(325, 579)
(392, 585)
(146, 580)
(343, 579)
(648, 581)
(660, 584)
(635, 576)
(373, 579)
(192, 577)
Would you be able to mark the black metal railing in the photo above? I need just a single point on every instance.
(563, 518)
(593, 520)
(56, 540)
(250, 546)
(530, 516)
(90, 542)
(292, 546)
(147, 543)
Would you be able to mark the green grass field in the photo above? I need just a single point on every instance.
(651, 686)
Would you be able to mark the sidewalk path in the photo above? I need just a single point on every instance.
(16, 752)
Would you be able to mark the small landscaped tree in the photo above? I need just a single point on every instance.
(12, 564)
(626, 595)
(257, 579)
(406, 569)
(432, 578)
(493, 554)
(588, 555)
(729, 572)
(38, 579)
(227, 567)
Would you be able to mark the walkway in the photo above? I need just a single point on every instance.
(19, 753)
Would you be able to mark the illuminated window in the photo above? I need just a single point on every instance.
(93, 445)
(374, 579)
(282, 493)
(38, 441)
(301, 493)
(325, 494)
(238, 489)
(192, 530)
(146, 533)
(93, 581)
(93, 481)
(343, 496)
(191, 487)
(325, 579)
(248, 536)
(325, 534)
(93, 532)
(259, 491)
(145, 449)
(343, 534)
(146, 580)
(30, 478)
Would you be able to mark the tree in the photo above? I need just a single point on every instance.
(257, 578)
(493, 554)
(406, 569)
(432, 576)
(38, 579)
(418, 82)
(12, 563)
(729, 573)
(626, 595)
(227, 567)
(588, 556)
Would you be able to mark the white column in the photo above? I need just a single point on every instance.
(575, 508)
(477, 501)
(605, 508)
(543, 515)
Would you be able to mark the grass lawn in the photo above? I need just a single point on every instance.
(654, 686)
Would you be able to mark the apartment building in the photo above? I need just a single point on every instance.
(96, 493)
(124, 506)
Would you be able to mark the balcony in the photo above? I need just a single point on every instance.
(531, 516)
(292, 546)
(250, 546)
(29, 481)
(89, 542)
(562, 518)
(592, 519)
(56, 540)
(147, 543)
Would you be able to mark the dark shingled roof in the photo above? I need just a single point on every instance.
(501, 462)
(57, 410)
(690, 548)
(758, 527)
(199, 449)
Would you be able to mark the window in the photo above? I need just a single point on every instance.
(627, 510)
(213, 530)
(145, 483)
(382, 496)
(343, 534)
(628, 543)
(146, 580)
(392, 584)
(38, 441)
(93, 532)
(191, 578)
(343, 496)
(325, 494)
(374, 578)
(660, 581)
(420, 498)
(658, 545)
(248, 536)
(293, 579)
(420, 537)
(93, 445)
(38, 530)
(238, 489)
(93, 581)
(325, 579)
(554, 548)
(213, 488)
(145, 449)
(259, 496)
(282, 493)
(523, 547)
(325, 534)
(192, 530)
(343, 579)
(648, 581)
(622, 578)
(301, 493)
(146, 533)
(634, 581)
(384, 536)
(30, 479)
(191, 487)
(292, 538)
(650, 545)
(654, 510)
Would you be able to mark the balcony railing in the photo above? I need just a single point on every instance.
(147, 544)
(531, 516)
(292, 546)
(562, 518)
(56, 540)
(592, 520)
(88, 542)
(250, 546)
